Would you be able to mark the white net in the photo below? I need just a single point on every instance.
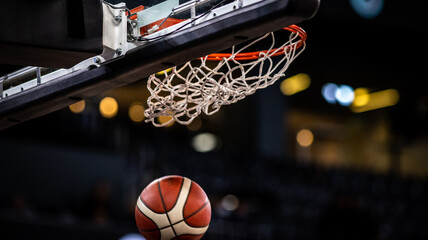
(204, 85)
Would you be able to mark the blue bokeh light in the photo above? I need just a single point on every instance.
(328, 91)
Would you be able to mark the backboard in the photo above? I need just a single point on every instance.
(141, 41)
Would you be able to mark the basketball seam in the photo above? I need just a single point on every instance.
(191, 215)
(164, 207)
(149, 206)
(184, 219)
(152, 230)
(202, 207)
(179, 192)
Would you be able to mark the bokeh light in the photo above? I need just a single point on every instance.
(362, 97)
(205, 142)
(305, 137)
(328, 91)
(377, 100)
(136, 112)
(166, 119)
(345, 95)
(295, 84)
(77, 107)
(367, 8)
(230, 202)
(132, 236)
(108, 107)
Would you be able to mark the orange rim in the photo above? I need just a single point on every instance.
(255, 55)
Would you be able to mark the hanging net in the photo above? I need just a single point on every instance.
(204, 85)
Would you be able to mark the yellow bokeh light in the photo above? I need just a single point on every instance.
(362, 97)
(108, 107)
(295, 84)
(305, 138)
(136, 112)
(166, 119)
(381, 99)
(77, 107)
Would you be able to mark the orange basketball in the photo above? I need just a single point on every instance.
(173, 207)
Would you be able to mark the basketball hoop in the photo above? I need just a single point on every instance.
(218, 79)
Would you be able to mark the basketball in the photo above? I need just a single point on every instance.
(173, 207)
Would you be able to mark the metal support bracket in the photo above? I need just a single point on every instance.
(114, 32)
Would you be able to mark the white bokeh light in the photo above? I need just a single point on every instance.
(345, 95)
(230, 202)
(205, 142)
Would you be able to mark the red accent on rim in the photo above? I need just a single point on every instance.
(255, 55)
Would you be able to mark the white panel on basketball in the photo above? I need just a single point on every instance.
(160, 219)
(182, 228)
(176, 213)
(167, 233)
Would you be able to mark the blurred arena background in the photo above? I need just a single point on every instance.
(338, 150)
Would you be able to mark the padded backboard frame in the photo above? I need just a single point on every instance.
(178, 47)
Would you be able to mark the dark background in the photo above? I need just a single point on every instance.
(77, 176)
